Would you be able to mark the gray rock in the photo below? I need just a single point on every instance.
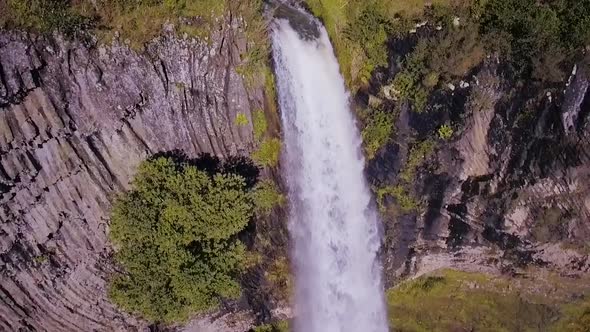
(74, 124)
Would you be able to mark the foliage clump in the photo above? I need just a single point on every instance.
(406, 202)
(175, 234)
(445, 132)
(536, 37)
(241, 120)
(280, 326)
(266, 197)
(377, 131)
(268, 152)
(444, 57)
(418, 154)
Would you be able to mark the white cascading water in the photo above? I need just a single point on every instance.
(333, 224)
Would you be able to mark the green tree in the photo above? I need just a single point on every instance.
(175, 234)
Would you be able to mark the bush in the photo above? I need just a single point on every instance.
(266, 197)
(527, 29)
(406, 202)
(268, 153)
(369, 30)
(175, 234)
(377, 131)
(418, 154)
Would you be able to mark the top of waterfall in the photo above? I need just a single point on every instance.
(301, 21)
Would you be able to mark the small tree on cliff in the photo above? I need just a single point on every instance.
(175, 235)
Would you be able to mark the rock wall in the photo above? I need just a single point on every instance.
(511, 189)
(75, 121)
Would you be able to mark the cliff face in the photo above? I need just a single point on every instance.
(510, 190)
(75, 121)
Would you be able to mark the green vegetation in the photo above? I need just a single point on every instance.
(266, 197)
(175, 234)
(447, 56)
(418, 154)
(43, 15)
(268, 153)
(460, 301)
(41, 258)
(406, 202)
(281, 326)
(137, 21)
(280, 277)
(445, 132)
(241, 120)
(254, 64)
(377, 131)
(536, 36)
(260, 124)
(360, 29)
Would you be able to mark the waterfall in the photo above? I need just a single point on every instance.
(334, 227)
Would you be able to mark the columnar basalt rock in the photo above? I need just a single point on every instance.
(75, 121)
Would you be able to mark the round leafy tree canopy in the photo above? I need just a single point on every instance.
(175, 235)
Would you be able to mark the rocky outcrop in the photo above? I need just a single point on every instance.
(75, 121)
(510, 190)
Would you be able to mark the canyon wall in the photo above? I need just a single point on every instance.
(75, 121)
(509, 190)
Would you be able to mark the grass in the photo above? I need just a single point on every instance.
(260, 124)
(450, 300)
(136, 21)
(43, 16)
(280, 326)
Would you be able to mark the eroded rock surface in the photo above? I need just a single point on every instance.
(75, 121)
(510, 190)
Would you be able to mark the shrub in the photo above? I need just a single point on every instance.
(280, 277)
(241, 120)
(527, 29)
(369, 31)
(406, 202)
(446, 56)
(175, 237)
(445, 132)
(418, 154)
(377, 131)
(268, 153)
(266, 196)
